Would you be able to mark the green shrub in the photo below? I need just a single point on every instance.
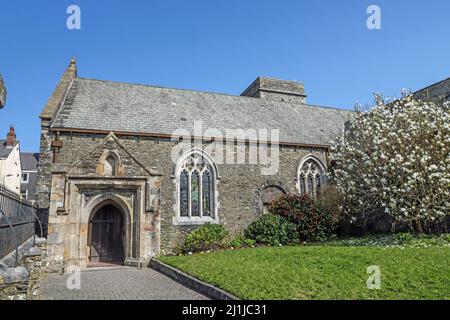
(207, 237)
(403, 237)
(236, 242)
(272, 230)
(239, 242)
(313, 221)
(249, 242)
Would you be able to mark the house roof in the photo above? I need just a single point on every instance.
(29, 161)
(435, 92)
(4, 151)
(122, 107)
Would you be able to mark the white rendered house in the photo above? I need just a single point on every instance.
(10, 165)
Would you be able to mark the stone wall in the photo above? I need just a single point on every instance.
(32, 261)
(277, 90)
(46, 150)
(239, 185)
(437, 92)
(23, 282)
(14, 283)
(42, 196)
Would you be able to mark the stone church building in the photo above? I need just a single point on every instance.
(113, 192)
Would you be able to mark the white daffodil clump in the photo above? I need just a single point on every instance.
(395, 158)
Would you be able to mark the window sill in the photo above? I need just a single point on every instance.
(193, 221)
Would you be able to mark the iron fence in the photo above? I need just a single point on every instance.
(18, 222)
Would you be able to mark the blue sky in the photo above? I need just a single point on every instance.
(220, 46)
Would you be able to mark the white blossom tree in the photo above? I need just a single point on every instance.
(395, 159)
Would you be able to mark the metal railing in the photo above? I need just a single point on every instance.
(18, 222)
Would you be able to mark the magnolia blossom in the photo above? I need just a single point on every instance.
(395, 158)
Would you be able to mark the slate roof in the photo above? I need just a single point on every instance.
(4, 151)
(114, 106)
(435, 92)
(29, 161)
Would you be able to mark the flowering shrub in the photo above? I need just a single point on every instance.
(394, 159)
(313, 221)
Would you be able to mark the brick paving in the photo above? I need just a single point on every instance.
(117, 283)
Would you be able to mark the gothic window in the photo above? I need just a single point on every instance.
(310, 177)
(196, 188)
(110, 166)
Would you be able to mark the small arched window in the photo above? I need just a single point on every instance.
(269, 194)
(311, 177)
(110, 166)
(196, 178)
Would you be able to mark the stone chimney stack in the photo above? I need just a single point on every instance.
(277, 90)
(11, 138)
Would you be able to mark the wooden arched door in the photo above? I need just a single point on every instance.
(106, 235)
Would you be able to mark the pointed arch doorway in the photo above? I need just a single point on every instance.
(106, 238)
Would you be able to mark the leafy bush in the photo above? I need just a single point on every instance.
(249, 242)
(236, 242)
(313, 221)
(272, 230)
(239, 242)
(393, 159)
(207, 237)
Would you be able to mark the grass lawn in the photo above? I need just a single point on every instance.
(323, 272)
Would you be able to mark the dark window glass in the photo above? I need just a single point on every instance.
(184, 194)
(310, 185)
(318, 184)
(302, 184)
(206, 193)
(195, 194)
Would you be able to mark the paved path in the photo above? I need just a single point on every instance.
(117, 283)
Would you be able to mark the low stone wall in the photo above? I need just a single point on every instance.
(9, 260)
(23, 282)
(14, 283)
(33, 262)
(191, 282)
